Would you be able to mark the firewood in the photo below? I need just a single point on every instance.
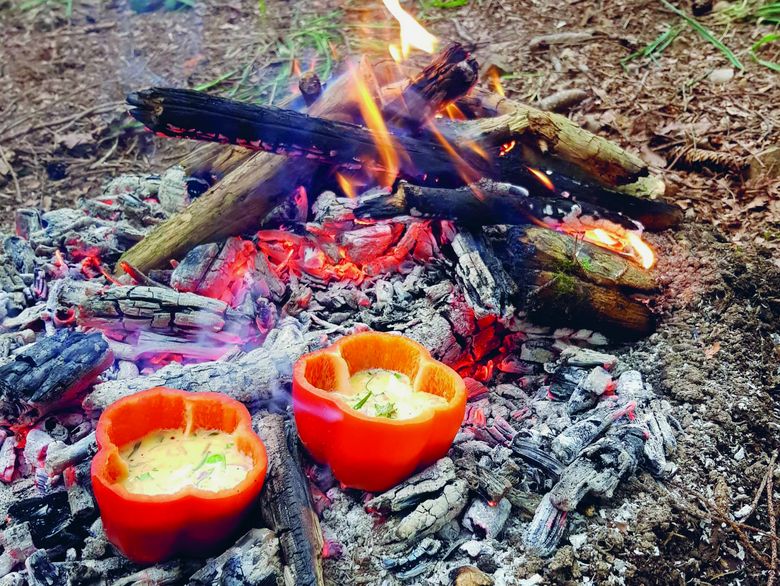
(248, 192)
(286, 505)
(552, 134)
(495, 204)
(50, 374)
(560, 294)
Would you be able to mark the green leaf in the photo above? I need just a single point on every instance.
(765, 40)
(216, 459)
(144, 476)
(387, 410)
(705, 33)
(362, 401)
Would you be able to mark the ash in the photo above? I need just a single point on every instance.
(556, 426)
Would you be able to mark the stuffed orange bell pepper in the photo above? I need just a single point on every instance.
(368, 452)
(149, 528)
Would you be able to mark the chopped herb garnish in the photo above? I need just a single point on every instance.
(144, 476)
(398, 375)
(216, 459)
(387, 410)
(362, 401)
(136, 445)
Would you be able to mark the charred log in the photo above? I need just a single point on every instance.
(286, 504)
(50, 374)
(256, 377)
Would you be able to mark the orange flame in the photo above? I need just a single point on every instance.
(495, 79)
(386, 146)
(545, 180)
(413, 34)
(630, 244)
(641, 249)
(346, 186)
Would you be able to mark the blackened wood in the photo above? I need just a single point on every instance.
(50, 374)
(310, 87)
(451, 74)
(286, 505)
(195, 115)
(484, 204)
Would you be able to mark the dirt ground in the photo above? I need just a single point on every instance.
(64, 133)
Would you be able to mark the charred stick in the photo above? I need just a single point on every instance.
(486, 203)
(199, 116)
(286, 505)
(451, 74)
(310, 87)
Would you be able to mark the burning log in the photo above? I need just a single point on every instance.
(546, 133)
(257, 376)
(286, 503)
(559, 290)
(253, 185)
(50, 374)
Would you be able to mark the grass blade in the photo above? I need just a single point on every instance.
(706, 34)
(654, 47)
(216, 81)
(765, 40)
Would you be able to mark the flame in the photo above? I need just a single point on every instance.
(495, 79)
(544, 179)
(386, 146)
(630, 244)
(295, 68)
(413, 34)
(640, 248)
(346, 186)
(453, 112)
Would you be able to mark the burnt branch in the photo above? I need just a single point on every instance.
(286, 504)
(50, 374)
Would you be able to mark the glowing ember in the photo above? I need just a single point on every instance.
(544, 179)
(413, 34)
(601, 237)
(506, 147)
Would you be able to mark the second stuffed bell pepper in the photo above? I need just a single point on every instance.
(365, 452)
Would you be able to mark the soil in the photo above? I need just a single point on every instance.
(716, 352)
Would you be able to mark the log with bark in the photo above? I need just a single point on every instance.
(286, 505)
(555, 280)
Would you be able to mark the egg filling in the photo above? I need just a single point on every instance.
(166, 461)
(386, 393)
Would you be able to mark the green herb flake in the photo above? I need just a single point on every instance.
(144, 476)
(216, 459)
(362, 401)
(387, 410)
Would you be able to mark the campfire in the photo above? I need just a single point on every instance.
(508, 241)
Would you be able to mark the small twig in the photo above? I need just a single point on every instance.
(757, 497)
(770, 505)
(100, 109)
(13, 175)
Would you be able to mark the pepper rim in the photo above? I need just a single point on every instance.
(106, 447)
(428, 414)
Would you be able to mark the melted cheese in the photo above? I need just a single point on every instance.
(385, 393)
(167, 461)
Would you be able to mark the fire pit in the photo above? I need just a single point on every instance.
(507, 245)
